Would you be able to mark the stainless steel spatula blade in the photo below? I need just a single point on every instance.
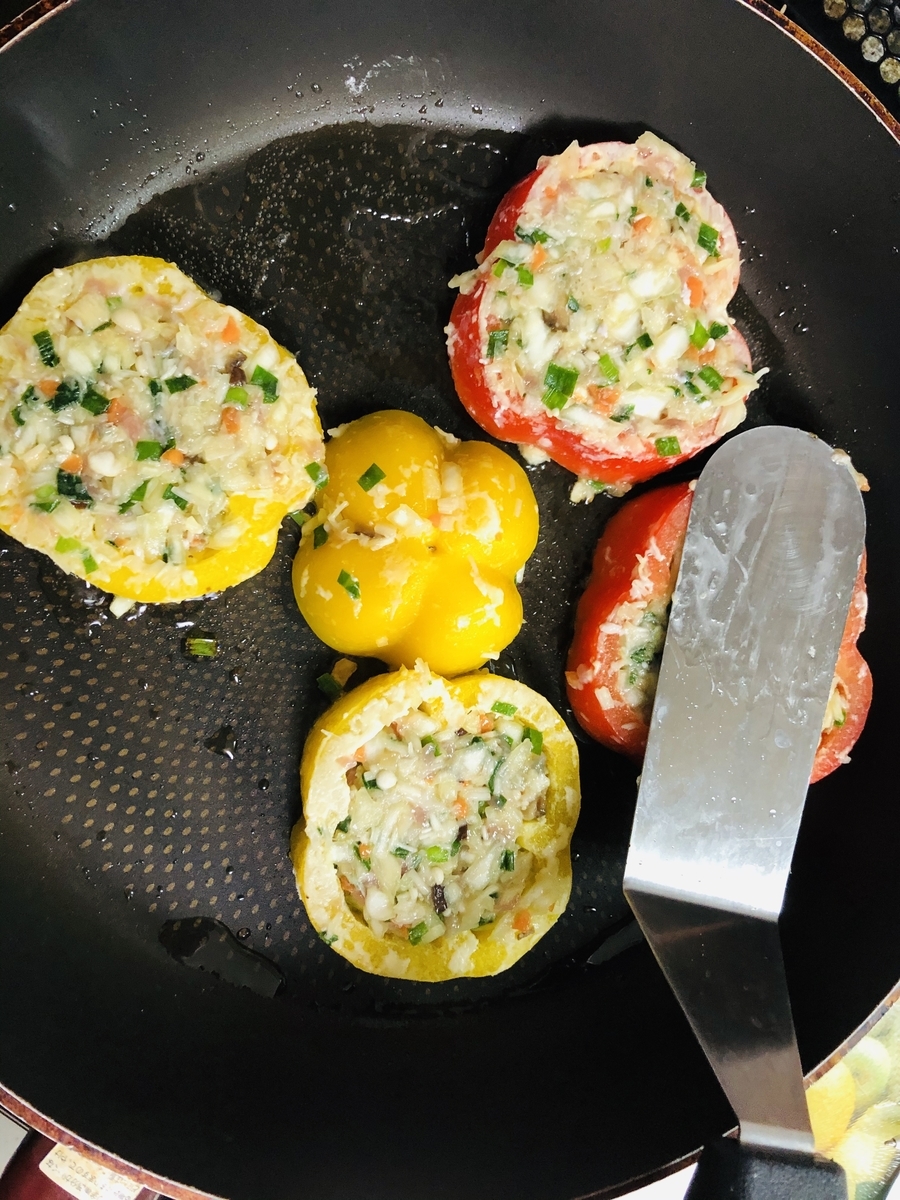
(773, 546)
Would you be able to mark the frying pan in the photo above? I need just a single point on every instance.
(326, 167)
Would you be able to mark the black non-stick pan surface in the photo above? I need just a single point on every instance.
(327, 167)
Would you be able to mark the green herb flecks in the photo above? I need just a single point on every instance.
(171, 494)
(370, 477)
(708, 239)
(666, 447)
(526, 279)
(329, 686)
(717, 330)
(559, 384)
(67, 393)
(536, 738)
(572, 304)
(46, 498)
(428, 740)
(93, 401)
(711, 377)
(72, 487)
(536, 235)
(198, 646)
(700, 335)
(681, 212)
(264, 379)
(155, 387)
(417, 932)
(699, 179)
(504, 709)
(508, 860)
(609, 368)
(343, 826)
(135, 498)
(622, 414)
(44, 343)
(179, 383)
(317, 474)
(349, 584)
(320, 536)
(237, 397)
(148, 451)
(437, 854)
(299, 517)
(498, 340)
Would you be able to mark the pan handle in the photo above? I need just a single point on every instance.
(730, 1170)
(23, 1178)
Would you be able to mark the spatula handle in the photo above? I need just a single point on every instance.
(730, 1170)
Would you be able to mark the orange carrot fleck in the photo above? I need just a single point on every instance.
(522, 921)
(695, 291)
(603, 399)
(116, 411)
(551, 192)
(539, 257)
(642, 222)
(485, 723)
(460, 808)
(364, 849)
(231, 420)
(48, 387)
(173, 457)
(231, 333)
(72, 464)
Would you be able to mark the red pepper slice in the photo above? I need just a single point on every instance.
(651, 529)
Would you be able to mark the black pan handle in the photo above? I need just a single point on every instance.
(729, 1170)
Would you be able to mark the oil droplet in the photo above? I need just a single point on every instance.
(222, 742)
(243, 934)
(316, 88)
(801, 328)
(263, 785)
(477, 109)
(129, 891)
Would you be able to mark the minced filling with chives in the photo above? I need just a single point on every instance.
(429, 843)
(608, 307)
(132, 407)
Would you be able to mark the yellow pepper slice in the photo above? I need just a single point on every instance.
(416, 545)
(332, 752)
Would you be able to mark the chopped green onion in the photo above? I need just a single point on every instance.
(482, 808)
(708, 239)
(536, 235)
(559, 383)
(100, 328)
(370, 784)
(67, 393)
(201, 647)
(328, 938)
(330, 686)
(180, 383)
(667, 446)
(700, 335)
(454, 848)
(485, 920)
(622, 414)
(493, 778)
(609, 368)
(237, 396)
(699, 179)
(135, 498)
(498, 340)
(648, 182)
(508, 860)
(90, 563)
(417, 932)
(71, 486)
(428, 740)
(144, 451)
(155, 387)
(504, 709)
(349, 584)
(343, 826)
(17, 415)
(400, 852)
(299, 517)
(45, 492)
(717, 329)
(645, 341)
(710, 377)
(317, 474)
(526, 279)
(536, 738)
(371, 477)
(113, 302)
(632, 214)
(366, 862)
(437, 854)
(171, 494)
(264, 379)
(93, 401)
(66, 545)
(682, 212)
(500, 266)
(572, 304)
(320, 536)
(604, 244)
(44, 343)
(500, 801)
(29, 396)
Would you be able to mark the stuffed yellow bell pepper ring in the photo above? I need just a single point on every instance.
(437, 817)
(416, 544)
(152, 438)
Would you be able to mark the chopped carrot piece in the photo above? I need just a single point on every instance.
(603, 399)
(551, 192)
(522, 921)
(364, 849)
(695, 291)
(485, 723)
(706, 356)
(460, 808)
(641, 223)
(539, 257)
(48, 386)
(72, 464)
(231, 333)
(231, 420)
(173, 457)
(116, 411)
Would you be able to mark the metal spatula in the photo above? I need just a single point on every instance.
(772, 550)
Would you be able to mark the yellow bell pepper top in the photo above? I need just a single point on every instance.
(505, 877)
(416, 544)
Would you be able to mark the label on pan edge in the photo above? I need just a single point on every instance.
(84, 1179)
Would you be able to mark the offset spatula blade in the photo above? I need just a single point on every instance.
(772, 550)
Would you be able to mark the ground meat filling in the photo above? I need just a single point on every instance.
(429, 846)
